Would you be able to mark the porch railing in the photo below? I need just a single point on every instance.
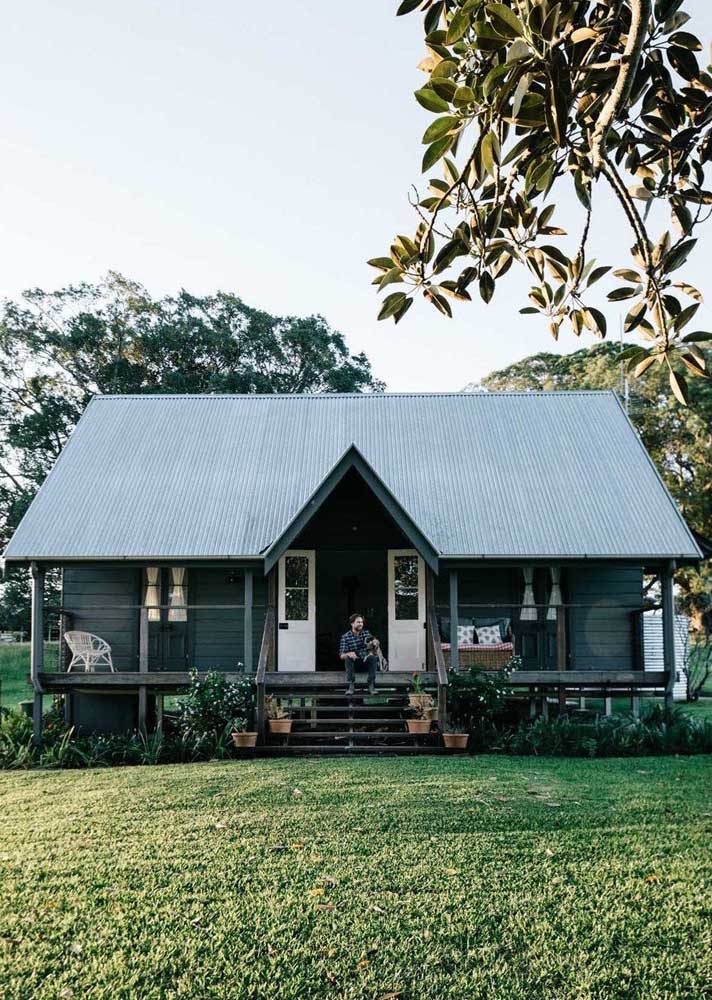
(440, 668)
(260, 677)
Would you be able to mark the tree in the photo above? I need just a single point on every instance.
(534, 94)
(57, 349)
(678, 440)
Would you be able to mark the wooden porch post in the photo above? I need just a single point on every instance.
(561, 652)
(37, 647)
(454, 621)
(248, 622)
(666, 582)
(272, 603)
(143, 669)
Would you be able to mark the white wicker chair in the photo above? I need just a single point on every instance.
(88, 650)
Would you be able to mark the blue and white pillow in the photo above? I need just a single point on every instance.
(489, 635)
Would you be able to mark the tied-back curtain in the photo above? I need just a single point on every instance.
(555, 594)
(177, 612)
(529, 611)
(151, 597)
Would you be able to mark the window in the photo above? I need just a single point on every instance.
(151, 594)
(177, 596)
(296, 588)
(405, 573)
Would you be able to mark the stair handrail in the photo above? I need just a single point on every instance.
(441, 669)
(260, 676)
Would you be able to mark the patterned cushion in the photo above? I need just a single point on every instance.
(466, 635)
(489, 635)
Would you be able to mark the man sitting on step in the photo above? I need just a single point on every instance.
(355, 654)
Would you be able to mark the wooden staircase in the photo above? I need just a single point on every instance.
(326, 720)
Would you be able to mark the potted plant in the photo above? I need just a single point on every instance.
(240, 737)
(278, 720)
(417, 696)
(456, 738)
(419, 723)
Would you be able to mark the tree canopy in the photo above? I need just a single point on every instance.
(678, 440)
(530, 95)
(57, 349)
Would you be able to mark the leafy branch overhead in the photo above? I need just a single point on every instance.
(529, 95)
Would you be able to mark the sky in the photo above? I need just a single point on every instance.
(262, 149)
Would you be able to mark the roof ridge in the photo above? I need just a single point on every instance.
(354, 395)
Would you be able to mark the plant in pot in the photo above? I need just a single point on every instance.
(278, 719)
(456, 737)
(418, 696)
(418, 722)
(475, 698)
(241, 738)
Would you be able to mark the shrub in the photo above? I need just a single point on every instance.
(210, 708)
(476, 696)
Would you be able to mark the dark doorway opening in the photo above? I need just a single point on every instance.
(351, 534)
(349, 580)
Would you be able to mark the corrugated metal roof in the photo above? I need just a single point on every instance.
(482, 474)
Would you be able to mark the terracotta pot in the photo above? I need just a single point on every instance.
(280, 725)
(244, 740)
(456, 741)
(417, 698)
(420, 726)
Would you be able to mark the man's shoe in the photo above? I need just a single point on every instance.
(372, 688)
(350, 689)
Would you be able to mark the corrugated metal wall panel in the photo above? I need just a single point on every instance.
(482, 474)
(654, 658)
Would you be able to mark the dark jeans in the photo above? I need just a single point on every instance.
(370, 664)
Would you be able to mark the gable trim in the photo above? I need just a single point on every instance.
(352, 459)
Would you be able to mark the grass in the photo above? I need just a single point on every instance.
(15, 671)
(401, 878)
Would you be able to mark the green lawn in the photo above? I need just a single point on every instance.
(15, 670)
(410, 879)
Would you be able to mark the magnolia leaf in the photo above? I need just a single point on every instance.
(440, 127)
(395, 274)
(640, 192)
(505, 20)
(436, 151)
(621, 293)
(678, 255)
(684, 317)
(382, 263)
(391, 304)
(627, 274)
(458, 26)
(490, 152)
(464, 96)
(698, 337)
(407, 6)
(583, 35)
(678, 384)
(635, 316)
(486, 286)
(632, 353)
(596, 274)
(693, 364)
(644, 365)
(428, 99)
(402, 310)
(689, 290)
(599, 320)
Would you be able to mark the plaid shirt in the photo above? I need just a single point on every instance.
(351, 642)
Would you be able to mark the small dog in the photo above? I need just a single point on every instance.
(374, 648)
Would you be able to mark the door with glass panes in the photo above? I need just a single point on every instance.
(406, 610)
(165, 593)
(296, 607)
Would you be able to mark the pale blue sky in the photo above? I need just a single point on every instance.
(264, 149)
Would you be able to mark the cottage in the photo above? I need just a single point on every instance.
(238, 532)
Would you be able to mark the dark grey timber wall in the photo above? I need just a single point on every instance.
(217, 635)
(87, 588)
(602, 635)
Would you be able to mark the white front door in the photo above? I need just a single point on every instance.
(296, 644)
(406, 610)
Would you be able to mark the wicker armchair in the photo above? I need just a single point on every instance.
(495, 657)
(89, 651)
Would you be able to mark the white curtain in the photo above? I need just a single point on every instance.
(151, 595)
(177, 612)
(555, 594)
(529, 611)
